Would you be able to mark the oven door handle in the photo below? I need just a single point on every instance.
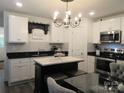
(108, 59)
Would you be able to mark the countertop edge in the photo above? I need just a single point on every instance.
(57, 63)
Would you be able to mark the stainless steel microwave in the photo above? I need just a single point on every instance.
(111, 37)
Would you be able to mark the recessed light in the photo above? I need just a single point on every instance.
(19, 4)
(92, 13)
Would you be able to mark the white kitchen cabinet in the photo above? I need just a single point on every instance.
(19, 69)
(66, 35)
(78, 43)
(96, 32)
(57, 34)
(120, 61)
(110, 24)
(122, 29)
(2, 48)
(91, 64)
(17, 29)
(32, 68)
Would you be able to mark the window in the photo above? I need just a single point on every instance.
(1, 41)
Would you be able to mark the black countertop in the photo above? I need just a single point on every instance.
(116, 56)
(16, 55)
(91, 53)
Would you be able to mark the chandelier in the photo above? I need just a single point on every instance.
(67, 21)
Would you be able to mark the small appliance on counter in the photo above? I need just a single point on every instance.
(57, 51)
(54, 48)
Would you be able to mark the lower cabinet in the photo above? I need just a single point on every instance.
(21, 69)
(91, 64)
(120, 61)
(32, 68)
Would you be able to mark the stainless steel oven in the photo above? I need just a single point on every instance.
(102, 65)
(110, 37)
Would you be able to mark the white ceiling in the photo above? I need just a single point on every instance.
(46, 8)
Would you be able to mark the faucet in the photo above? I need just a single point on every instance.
(38, 52)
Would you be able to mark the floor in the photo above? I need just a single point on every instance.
(21, 88)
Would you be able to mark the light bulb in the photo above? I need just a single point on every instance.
(54, 17)
(66, 16)
(79, 15)
(56, 13)
(69, 12)
(65, 20)
(76, 19)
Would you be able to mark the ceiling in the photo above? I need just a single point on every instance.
(46, 8)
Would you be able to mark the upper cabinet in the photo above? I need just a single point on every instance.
(57, 34)
(96, 32)
(17, 29)
(106, 25)
(110, 24)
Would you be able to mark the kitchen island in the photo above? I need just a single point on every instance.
(46, 66)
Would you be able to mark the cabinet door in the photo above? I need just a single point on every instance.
(54, 37)
(120, 61)
(115, 24)
(14, 73)
(75, 42)
(32, 68)
(78, 43)
(18, 29)
(60, 35)
(19, 69)
(105, 25)
(57, 34)
(91, 64)
(66, 35)
(25, 69)
(96, 32)
(110, 24)
(122, 29)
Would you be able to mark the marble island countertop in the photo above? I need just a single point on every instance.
(46, 61)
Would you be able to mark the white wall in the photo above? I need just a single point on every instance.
(2, 50)
(1, 20)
